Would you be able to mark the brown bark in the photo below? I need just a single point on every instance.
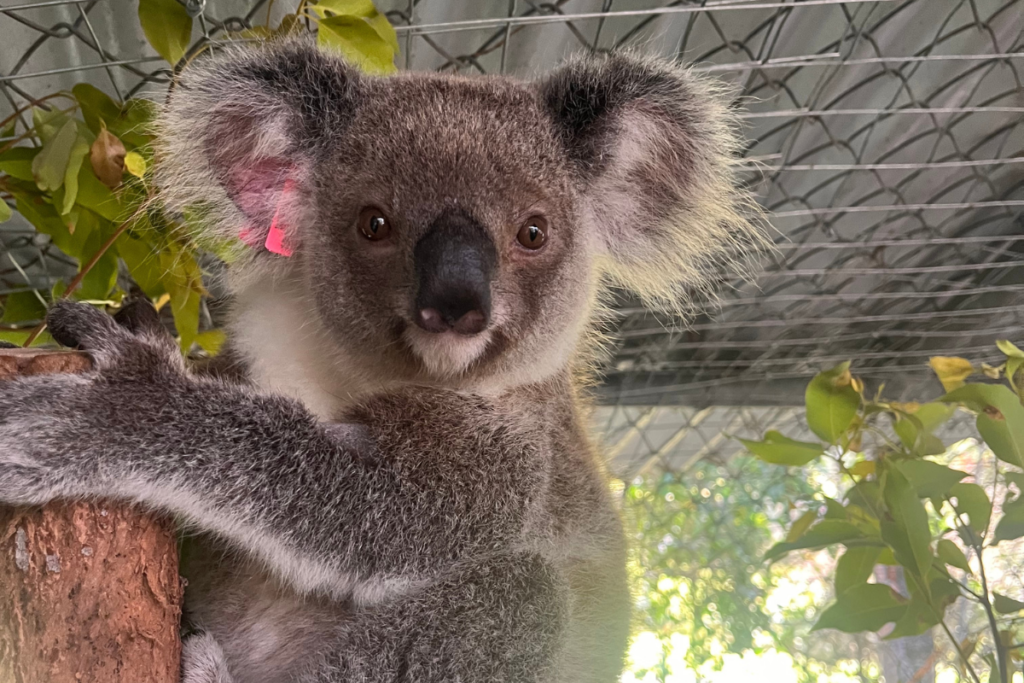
(89, 592)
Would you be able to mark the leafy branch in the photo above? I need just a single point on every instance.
(883, 519)
(80, 175)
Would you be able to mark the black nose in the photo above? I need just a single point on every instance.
(455, 262)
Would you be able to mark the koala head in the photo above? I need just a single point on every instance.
(458, 229)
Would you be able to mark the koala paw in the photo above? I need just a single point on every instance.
(202, 661)
(133, 340)
(55, 430)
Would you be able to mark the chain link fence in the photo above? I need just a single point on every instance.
(886, 139)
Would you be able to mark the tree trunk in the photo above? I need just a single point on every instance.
(89, 592)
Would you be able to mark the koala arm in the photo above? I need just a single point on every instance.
(420, 480)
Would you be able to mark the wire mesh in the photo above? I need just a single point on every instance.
(885, 138)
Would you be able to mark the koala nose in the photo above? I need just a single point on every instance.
(455, 262)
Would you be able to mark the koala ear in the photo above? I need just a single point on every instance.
(653, 148)
(241, 132)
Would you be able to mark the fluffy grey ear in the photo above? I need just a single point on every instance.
(241, 132)
(654, 147)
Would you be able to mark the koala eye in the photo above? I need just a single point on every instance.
(534, 233)
(373, 224)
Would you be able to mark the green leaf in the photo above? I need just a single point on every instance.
(50, 165)
(47, 123)
(211, 341)
(5, 211)
(867, 607)
(915, 426)
(926, 607)
(17, 162)
(1005, 605)
(135, 164)
(1000, 418)
(929, 479)
(385, 30)
(834, 509)
(972, 500)
(918, 618)
(96, 106)
(358, 42)
(866, 495)
(101, 278)
(825, 533)
(143, 261)
(97, 197)
(780, 450)
(353, 8)
(951, 554)
(167, 26)
(1008, 349)
(183, 281)
(79, 150)
(23, 307)
(19, 337)
(46, 220)
(855, 567)
(801, 525)
(1011, 526)
(907, 534)
(832, 402)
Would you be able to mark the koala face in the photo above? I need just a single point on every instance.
(456, 229)
(448, 236)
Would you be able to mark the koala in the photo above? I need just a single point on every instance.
(388, 475)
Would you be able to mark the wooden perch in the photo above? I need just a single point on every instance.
(89, 592)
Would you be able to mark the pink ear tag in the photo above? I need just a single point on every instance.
(276, 236)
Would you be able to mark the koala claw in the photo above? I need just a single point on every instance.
(107, 339)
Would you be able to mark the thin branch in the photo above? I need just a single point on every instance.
(81, 275)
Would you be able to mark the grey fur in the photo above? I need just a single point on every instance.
(372, 503)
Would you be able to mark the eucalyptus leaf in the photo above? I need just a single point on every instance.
(167, 26)
(867, 607)
(831, 402)
(17, 162)
(801, 525)
(358, 42)
(101, 278)
(1011, 526)
(50, 165)
(908, 533)
(972, 500)
(1005, 605)
(929, 479)
(79, 150)
(96, 106)
(855, 566)
(951, 554)
(353, 8)
(5, 211)
(1008, 349)
(211, 341)
(781, 450)
(1000, 418)
(951, 371)
(825, 533)
(23, 307)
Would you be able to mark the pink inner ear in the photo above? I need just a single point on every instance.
(255, 188)
(262, 191)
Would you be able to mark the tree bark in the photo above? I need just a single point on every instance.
(89, 592)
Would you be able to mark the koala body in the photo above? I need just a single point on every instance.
(389, 477)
